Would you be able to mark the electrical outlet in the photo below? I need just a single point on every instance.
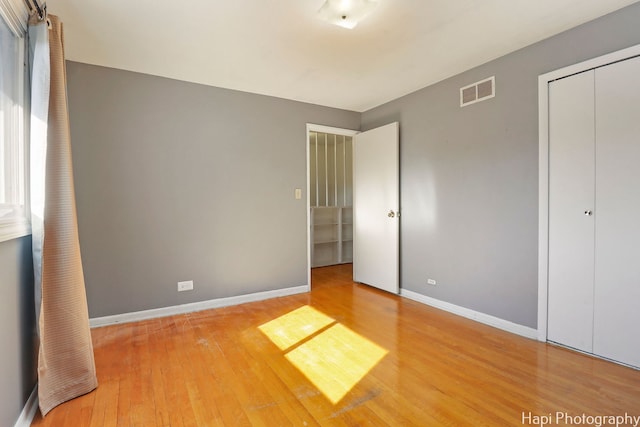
(298, 193)
(431, 282)
(185, 286)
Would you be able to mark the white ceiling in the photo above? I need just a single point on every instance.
(280, 48)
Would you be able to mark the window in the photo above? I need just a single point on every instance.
(14, 210)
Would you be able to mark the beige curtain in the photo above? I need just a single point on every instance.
(66, 367)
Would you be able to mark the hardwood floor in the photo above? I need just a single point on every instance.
(343, 355)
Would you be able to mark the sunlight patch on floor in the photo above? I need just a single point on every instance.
(333, 357)
(336, 360)
(295, 326)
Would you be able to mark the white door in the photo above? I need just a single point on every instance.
(617, 269)
(376, 208)
(594, 200)
(571, 206)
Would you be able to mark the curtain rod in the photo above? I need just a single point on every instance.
(40, 10)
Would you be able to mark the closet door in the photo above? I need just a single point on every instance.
(571, 201)
(617, 269)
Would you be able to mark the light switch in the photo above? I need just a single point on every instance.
(298, 193)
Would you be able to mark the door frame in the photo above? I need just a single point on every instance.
(311, 127)
(543, 168)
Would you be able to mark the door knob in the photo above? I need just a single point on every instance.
(588, 213)
(391, 214)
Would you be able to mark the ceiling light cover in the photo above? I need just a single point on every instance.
(346, 13)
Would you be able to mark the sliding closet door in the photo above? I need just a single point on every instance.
(571, 204)
(617, 269)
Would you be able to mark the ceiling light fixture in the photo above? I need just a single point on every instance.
(346, 13)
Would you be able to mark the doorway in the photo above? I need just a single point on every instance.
(330, 196)
(353, 202)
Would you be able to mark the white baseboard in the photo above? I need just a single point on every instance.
(195, 306)
(29, 410)
(487, 319)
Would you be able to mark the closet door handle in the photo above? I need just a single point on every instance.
(588, 213)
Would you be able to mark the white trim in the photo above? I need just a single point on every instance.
(29, 410)
(486, 319)
(328, 129)
(16, 15)
(322, 129)
(308, 202)
(135, 316)
(14, 229)
(543, 168)
(590, 64)
(543, 205)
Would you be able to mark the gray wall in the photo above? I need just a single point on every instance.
(17, 328)
(469, 176)
(178, 181)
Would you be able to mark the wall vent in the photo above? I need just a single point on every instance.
(478, 91)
